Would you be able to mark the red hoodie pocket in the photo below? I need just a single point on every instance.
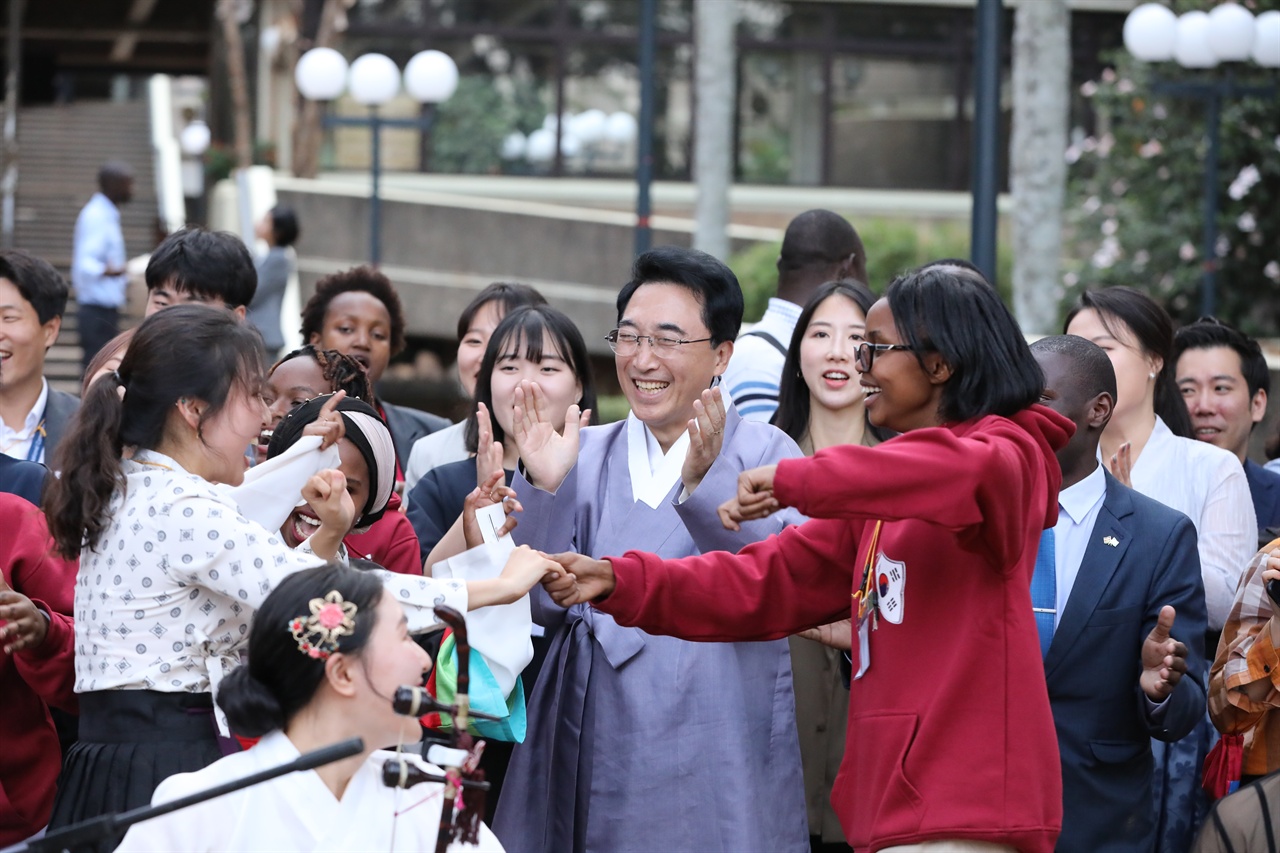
(878, 796)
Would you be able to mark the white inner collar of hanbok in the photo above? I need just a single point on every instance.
(653, 473)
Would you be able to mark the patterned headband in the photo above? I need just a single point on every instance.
(331, 619)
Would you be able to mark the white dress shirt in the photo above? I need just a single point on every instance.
(1078, 508)
(16, 443)
(1206, 484)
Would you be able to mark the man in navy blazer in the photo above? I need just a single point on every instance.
(1126, 660)
(1223, 378)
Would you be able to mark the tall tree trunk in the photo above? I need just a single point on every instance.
(307, 133)
(1038, 168)
(715, 95)
(239, 85)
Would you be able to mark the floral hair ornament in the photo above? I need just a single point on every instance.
(331, 619)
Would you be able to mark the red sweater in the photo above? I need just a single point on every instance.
(33, 678)
(950, 733)
(390, 542)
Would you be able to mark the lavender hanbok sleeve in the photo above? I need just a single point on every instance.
(547, 523)
(747, 445)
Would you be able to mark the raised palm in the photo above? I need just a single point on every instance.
(548, 446)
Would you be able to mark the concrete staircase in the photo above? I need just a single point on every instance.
(60, 149)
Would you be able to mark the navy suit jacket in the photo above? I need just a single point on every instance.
(1264, 488)
(1141, 556)
(407, 425)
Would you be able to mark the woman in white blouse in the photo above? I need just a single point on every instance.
(1148, 440)
(1151, 428)
(171, 571)
(306, 687)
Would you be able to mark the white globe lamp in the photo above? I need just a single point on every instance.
(621, 128)
(1150, 32)
(1192, 49)
(1231, 31)
(541, 146)
(1266, 40)
(321, 74)
(589, 126)
(514, 146)
(194, 139)
(431, 77)
(374, 79)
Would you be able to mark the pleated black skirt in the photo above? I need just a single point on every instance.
(130, 742)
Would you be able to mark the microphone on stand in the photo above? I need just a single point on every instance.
(401, 773)
(89, 832)
(416, 701)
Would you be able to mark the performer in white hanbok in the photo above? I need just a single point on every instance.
(327, 651)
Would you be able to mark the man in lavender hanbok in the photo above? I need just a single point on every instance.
(639, 742)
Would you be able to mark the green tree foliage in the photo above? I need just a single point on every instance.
(1136, 188)
(470, 126)
(894, 246)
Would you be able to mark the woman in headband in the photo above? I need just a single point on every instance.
(326, 653)
(369, 464)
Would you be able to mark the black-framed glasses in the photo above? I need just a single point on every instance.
(865, 355)
(626, 343)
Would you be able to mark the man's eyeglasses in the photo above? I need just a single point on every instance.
(865, 355)
(625, 343)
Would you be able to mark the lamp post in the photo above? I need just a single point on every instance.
(1198, 40)
(430, 77)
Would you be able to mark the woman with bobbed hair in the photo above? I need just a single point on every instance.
(327, 650)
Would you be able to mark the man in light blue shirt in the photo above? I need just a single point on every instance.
(98, 259)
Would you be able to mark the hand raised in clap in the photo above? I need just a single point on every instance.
(706, 437)
(1164, 659)
(754, 500)
(1121, 466)
(548, 455)
(22, 625)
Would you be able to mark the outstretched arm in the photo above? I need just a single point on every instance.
(798, 579)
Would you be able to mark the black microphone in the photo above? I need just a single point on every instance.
(399, 773)
(416, 701)
(91, 831)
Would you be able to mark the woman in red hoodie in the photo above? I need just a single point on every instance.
(950, 744)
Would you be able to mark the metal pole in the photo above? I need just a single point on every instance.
(644, 151)
(375, 203)
(11, 94)
(986, 135)
(1208, 291)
